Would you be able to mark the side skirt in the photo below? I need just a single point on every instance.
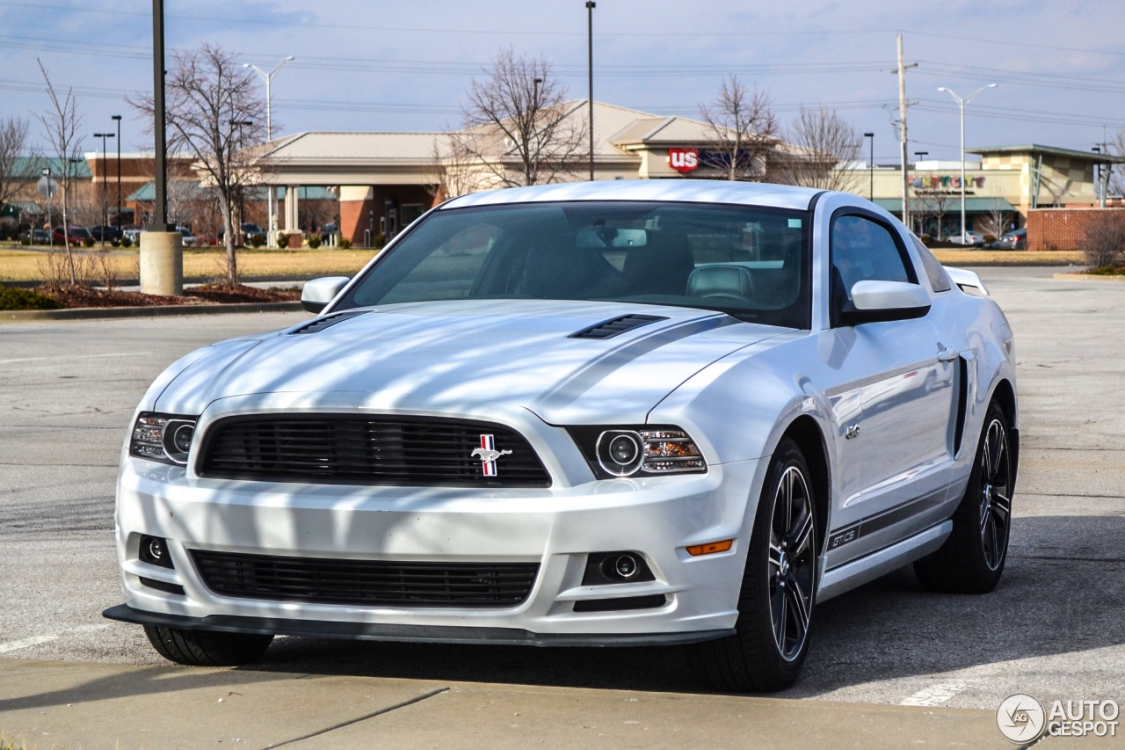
(858, 572)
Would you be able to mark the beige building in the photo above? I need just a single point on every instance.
(1012, 180)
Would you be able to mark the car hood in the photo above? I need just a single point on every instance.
(462, 356)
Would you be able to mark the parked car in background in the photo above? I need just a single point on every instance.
(38, 236)
(188, 238)
(77, 234)
(326, 233)
(1014, 240)
(132, 233)
(105, 234)
(973, 239)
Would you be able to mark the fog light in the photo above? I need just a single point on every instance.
(625, 566)
(154, 551)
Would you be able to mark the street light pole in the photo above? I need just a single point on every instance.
(118, 119)
(871, 164)
(590, 71)
(961, 103)
(160, 205)
(50, 221)
(271, 203)
(105, 185)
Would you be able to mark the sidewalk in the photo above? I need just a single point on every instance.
(66, 706)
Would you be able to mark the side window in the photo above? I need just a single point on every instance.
(863, 250)
(939, 279)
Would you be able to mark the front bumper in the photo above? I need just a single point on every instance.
(557, 528)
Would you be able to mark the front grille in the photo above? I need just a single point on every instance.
(368, 450)
(365, 582)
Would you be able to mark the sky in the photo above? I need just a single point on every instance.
(372, 65)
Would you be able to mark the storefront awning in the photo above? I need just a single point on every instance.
(973, 204)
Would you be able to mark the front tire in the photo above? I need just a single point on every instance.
(775, 605)
(972, 559)
(207, 648)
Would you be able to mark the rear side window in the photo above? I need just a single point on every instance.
(939, 279)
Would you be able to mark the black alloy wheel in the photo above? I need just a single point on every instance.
(792, 563)
(776, 600)
(972, 559)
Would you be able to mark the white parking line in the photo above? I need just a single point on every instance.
(68, 356)
(37, 640)
(936, 694)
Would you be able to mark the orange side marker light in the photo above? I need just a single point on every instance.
(710, 549)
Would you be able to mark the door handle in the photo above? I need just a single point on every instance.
(947, 355)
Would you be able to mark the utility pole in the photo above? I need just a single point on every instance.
(590, 70)
(1105, 169)
(901, 70)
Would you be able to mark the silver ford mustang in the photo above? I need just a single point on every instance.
(617, 413)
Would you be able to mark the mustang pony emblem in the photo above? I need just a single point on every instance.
(488, 455)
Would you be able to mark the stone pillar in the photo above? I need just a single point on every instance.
(162, 263)
(292, 222)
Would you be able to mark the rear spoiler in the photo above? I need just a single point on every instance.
(966, 280)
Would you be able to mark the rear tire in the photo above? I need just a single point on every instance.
(775, 604)
(207, 648)
(972, 559)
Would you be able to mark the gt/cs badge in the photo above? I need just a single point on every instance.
(488, 455)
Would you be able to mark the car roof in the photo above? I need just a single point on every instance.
(677, 191)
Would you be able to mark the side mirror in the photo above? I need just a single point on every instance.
(319, 292)
(876, 301)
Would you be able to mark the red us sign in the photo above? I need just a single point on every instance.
(683, 159)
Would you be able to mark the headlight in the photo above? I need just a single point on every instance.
(648, 451)
(162, 437)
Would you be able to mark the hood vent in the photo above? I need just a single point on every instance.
(319, 324)
(607, 329)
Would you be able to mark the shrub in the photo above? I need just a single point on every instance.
(25, 240)
(314, 242)
(126, 242)
(989, 239)
(88, 242)
(926, 239)
(345, 243)
(13, 298)
(379, 240)
(115, 242)
(257, 240)
(1104, 239)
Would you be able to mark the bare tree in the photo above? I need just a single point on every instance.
(214, 112)
(13, 149)
(744, 130)
(518, 127)
(60, 125)
(932, 202)
(450, 171)
(820, 142)
(1104, 238)
(996, 219)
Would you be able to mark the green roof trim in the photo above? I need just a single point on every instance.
(31, 167)
(973, 205)
(1033, 148)
(258, 193)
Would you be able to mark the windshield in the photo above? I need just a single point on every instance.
(750, 262)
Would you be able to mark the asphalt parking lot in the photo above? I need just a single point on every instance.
(1055, 628)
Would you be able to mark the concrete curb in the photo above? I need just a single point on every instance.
(108, 313)
(1086, 277)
